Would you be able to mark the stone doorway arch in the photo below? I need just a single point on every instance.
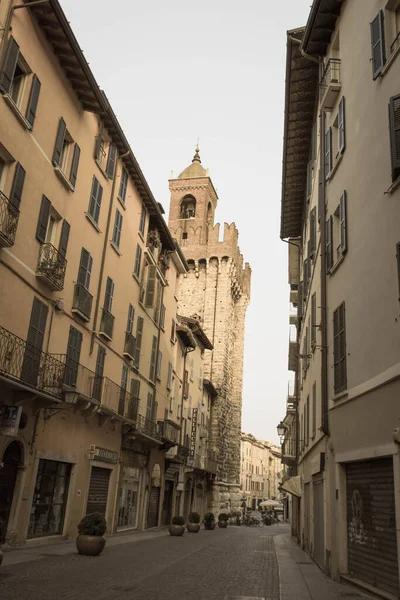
(11, 462)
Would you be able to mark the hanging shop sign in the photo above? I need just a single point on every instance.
(97, 453)
(194, 433)
(9, 420)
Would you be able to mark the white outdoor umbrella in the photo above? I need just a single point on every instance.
(270, 503)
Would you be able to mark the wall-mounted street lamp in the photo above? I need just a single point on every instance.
(281, 429)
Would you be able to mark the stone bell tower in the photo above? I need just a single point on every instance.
(216, 289)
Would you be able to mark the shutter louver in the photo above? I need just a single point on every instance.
(84, 269)
(112, 155)
(33, 101)
(10, 64)
(329, 244)
(313, 232)
(342, 125)
(74, 165)
(343, 222)
(153, 359)
(98, 141)
(16, 188)
(328, 152)
(339, 349)
(43, 221)
(58, 147)
(109, 294)
(151, 286)
(64, 238)
(314, 319)
(139, 335)
(394, 122)
(378, 44)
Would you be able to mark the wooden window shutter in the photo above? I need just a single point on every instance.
(58, 146)
(16, 188)
(73, 355)
(109, 294)
(123, 185)
(124, 377)
(101, 355)
(37, 324)
(314, 319)
(153, 359)
(310, 165)
(138, 260)
(339, 349)
(398, 264)
(139, 335)
(74, 165)
(43, 221)
(342, 125)
(313, 231)
(162, 316)
(378, 44)
(10, 64)
(314, 409)
(96, 195)
(142, 223)
(159, 364)
(151, 286)
(328, 152)
(64, 238)
(33, 101)
(117, 228)
(135, 388)
(98, 141)
(131, 316)
(173, 331)
(343, 222)
(394, 123)
(112, 155)
(85, 268)
(329, 244)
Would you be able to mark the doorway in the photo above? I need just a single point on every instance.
(12, 459)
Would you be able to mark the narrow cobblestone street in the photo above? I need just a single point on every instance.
(234, 564)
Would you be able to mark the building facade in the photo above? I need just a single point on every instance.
(260, 470)
(216, 290)
(90, 350)
(340, 215)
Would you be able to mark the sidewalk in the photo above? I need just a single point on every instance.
(301, 579)
(37, 550)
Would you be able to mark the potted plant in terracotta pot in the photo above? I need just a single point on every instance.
(3, 531)
(90, 540)
(209, 521)
(223, 519)
(193, 526)
(177, 526)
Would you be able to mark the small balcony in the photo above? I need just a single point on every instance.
(330, 84)
(292, 358)
(129, 346)
(51, 267)
(169, 431)
(79, 380)
(23, 363)
(147, 428)
(9, 216)
(115, 398)
(178, 453)
(82, 303)
(289, 451)
(107, 324)
(294, 293)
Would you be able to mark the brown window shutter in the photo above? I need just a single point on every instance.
(112, 155)
(152, 373)
(85, 268)
(64, 238)
(151, 286)
(43, 219)
(98, 141)
(109, 294)
(58, 146)
(378, 44)
(16, 188)
(10, 64)
(33, 101)
(342, 125)
(329, 244)
(139, 335)
(314, 318)
(339, 349)
(394, 123)
(75, 164)
(343, 222)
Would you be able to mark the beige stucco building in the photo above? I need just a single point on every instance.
(216, 291)
(92, 352)
(260, 470)
(340, 215)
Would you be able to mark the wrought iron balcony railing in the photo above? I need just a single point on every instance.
(79, 377)
(9, 215)
(23, 362)
(169, 431)
(51, 266)
(289, 451)
(115, 397)
(107, 324)
(147, 427)
(330, 83)
(82, 303)
(129, 346)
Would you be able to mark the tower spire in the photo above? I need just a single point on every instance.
(196, 157)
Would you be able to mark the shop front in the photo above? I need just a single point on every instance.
(128, 498)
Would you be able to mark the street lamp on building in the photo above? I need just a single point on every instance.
(281, 429)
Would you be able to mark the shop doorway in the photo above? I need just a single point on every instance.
(154, 497)
(49, 499)
(128, 498)
(98, 491)
(12, 459)
(167, 502)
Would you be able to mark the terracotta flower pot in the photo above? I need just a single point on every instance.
(223, 524)
(193, 527)
(176, 529)
(90, 545)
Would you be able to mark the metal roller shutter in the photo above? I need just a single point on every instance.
(371, 524)
(98, 491)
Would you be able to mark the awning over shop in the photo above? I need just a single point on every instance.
(293, 486)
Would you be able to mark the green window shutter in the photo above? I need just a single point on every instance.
(378, 44)
(64, 238)
(138, 259)
(75, 164)
(117, 228)
(17, 188)
(33, 101)
(139, 335)
(151, 286)
(10, 64)
(343, 222)
(73, 355)
(96, 195)
(37, 324)
(394, 125)
(85, 269)
(58, 146)
(329, 244)
(123, 185)
(112, 155)
(142, 223)
(342, 125)
(153, 359)
(43, 221)
(98, 141)
(108, 299)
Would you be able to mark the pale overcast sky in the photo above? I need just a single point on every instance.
(177, 70)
